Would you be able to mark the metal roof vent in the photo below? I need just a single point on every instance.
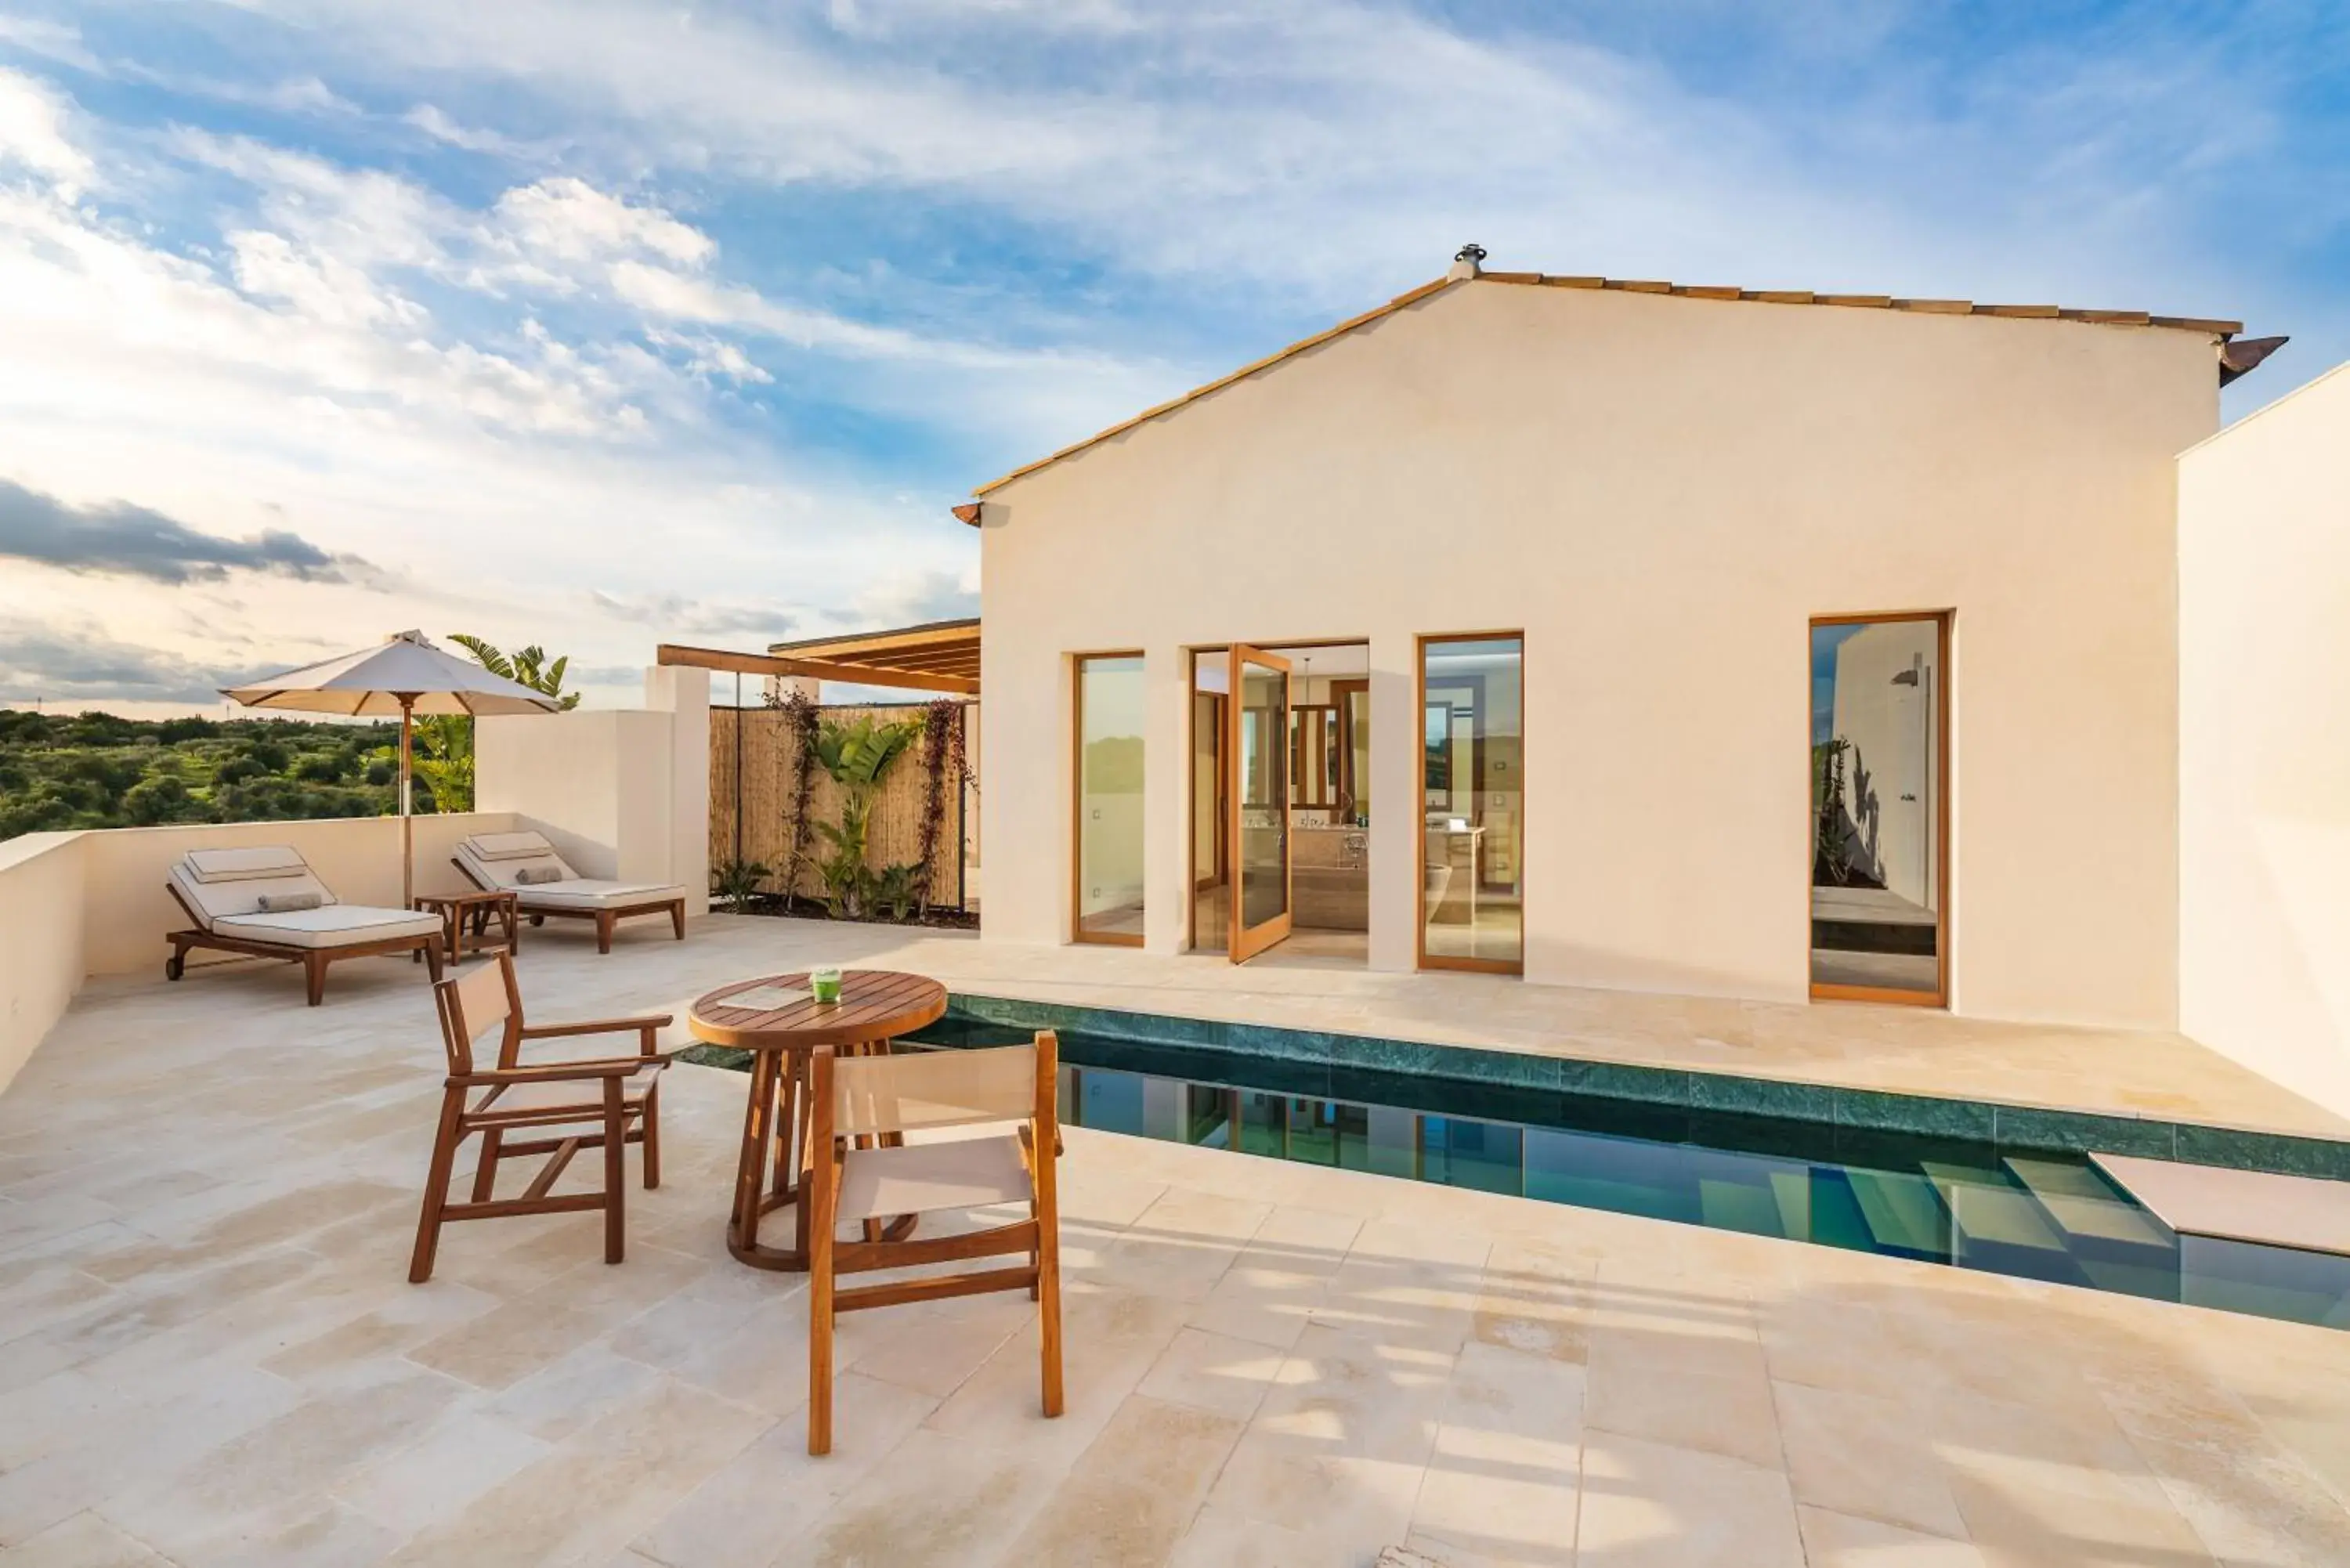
(1467, 261)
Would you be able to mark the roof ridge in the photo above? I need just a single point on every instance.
(1726, 291)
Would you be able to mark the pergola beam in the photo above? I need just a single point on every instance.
(672, 653)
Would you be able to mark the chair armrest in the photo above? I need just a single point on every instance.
(596, 1026)
(555, 1072)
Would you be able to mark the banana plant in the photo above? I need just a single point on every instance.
(527, 666)
(857, 756)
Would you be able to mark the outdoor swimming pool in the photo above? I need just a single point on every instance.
(2043, 1214)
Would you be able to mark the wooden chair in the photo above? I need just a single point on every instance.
(862, 1170)
(605, 1103)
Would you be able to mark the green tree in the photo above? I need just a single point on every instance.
(528, 667)
(858, 756)
(443, 758)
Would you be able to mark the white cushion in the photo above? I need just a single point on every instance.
(335, 926)
(509, 845)
(923, 1177)
(589, 893)
(211, 902)
(236, 865)
(515, 854)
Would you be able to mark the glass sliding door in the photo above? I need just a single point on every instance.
(1472, 781)
(1106, 860)
(1257, 742)
(1879, 812)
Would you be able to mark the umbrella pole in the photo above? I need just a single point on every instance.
(407, 823)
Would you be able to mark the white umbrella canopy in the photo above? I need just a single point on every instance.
(405, 675)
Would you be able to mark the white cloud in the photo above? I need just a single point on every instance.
(33, 136)
(571, 220)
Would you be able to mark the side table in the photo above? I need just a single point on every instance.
(475, 908)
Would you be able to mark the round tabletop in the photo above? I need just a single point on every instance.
(874, 1005)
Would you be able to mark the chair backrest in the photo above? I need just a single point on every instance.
(482, 997)
(944, 1088)
(222, 884)
(499, 859)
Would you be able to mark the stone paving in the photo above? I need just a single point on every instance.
(209, 1353)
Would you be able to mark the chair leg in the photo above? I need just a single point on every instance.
(677, 917)
(485, 1174)
(436, 1185)
(314, 972)
(616, 1171)
(820, 1256)
(603, 932)
(433, 959)
(1048, 1309)
(652, 1136)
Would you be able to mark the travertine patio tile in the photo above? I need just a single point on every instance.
(1503, 1479)
(1213, 1372)
(85, 1541)
(1132, 1494)
(1426, 1347)
(751, 1508)
(1722, 1415)
(1832, 1540)
(1650, 1503)
(1856, 1454)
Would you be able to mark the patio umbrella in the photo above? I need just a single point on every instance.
(404, 675)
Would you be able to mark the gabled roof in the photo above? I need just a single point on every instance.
(2210, 325)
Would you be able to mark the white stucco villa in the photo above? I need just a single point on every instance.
(1627, 634)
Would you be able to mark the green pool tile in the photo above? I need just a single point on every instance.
(1761, 1097)
(2023, 1127)
(2274, 1152)
(1621, 1081)
(1378, 1055)
(1270, 1040)
(1969, 1119)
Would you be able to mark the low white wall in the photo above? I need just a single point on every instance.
(41, 878)
(622, 792)
(2264, 740)
(77, 905)
(126, 911)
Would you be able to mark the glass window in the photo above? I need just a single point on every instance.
(1880, 704)
(1472, 781)
(1109, 707)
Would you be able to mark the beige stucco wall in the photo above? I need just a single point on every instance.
(77, 905)
(1661, 492)
(40, 938)
(622, 792)
(2264, 740)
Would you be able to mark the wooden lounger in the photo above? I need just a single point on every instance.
(226, 893)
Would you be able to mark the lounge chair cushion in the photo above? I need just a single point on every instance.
(215, 901)
(509, 845)
(333, 926)
(922, 1176)
(590, 893)
(501, 860)
(240, 865)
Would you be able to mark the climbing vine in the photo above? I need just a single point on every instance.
(942, 757)
(800, 718)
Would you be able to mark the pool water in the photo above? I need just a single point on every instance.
(2042, 1214)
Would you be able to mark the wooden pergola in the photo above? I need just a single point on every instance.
(940, 656)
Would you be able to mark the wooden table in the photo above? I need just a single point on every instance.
(875, 1006)
(475, 907)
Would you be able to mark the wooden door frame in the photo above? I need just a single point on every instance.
(1420, 645)
(1077, 932)
(1940, 995)
(1244, 942)
(1222, 852)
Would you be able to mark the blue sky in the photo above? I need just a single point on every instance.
(596, 322)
